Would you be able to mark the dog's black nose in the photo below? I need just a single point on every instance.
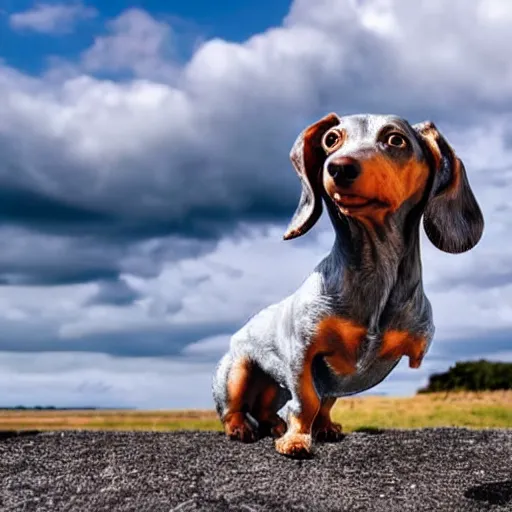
(344, 170)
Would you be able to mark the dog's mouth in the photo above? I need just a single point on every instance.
(349, 203)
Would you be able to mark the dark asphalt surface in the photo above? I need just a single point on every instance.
(435, 469)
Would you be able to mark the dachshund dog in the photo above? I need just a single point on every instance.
(363, 308)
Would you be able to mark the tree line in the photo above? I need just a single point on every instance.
(479, 375)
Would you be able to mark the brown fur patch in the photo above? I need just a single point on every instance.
(323, 427)
(323, 418)
(236, 426)
(265, 407)
(265, 402)
(391, 184)
(454, 187)
(308, 399)
(250, 389)
(397, 343)
(325, 410)
(338, 340)
(238, 384)
(235, 422)
(307, 157)
(431, 136)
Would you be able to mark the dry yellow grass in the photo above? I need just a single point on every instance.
(462, 409)
(477, 410)
(109, 420)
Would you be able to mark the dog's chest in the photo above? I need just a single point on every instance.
(353, 365)
(329, 383)
(355, 357)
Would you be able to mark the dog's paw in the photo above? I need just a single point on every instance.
(238, 428)
(294, 445)
(329, 433)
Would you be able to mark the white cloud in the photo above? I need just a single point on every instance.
(31, 315)
(137, 42)
(51, 18)
(423, 54)
(213, 347)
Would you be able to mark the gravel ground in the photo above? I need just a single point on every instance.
(411, 470)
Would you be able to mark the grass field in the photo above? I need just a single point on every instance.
(476, 410)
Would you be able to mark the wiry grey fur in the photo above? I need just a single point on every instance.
(373, 277)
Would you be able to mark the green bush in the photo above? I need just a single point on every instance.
(472, 376)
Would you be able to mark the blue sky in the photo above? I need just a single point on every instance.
(194, 20)
(145, 182)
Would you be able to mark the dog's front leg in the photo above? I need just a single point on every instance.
(337, 340)
(324, 429)
(305, 406)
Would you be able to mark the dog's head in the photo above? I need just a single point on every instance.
(370, 166)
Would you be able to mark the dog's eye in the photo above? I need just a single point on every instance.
(332, 140)
(396, 140)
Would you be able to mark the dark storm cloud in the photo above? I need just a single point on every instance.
(493, 340)
(136, 343)
(35, 258)
(30, 207)
(115, 293)
(200, 197)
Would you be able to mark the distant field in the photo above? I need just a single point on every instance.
(477, 410)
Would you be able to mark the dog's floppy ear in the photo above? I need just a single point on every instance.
(452, 219)
(308, 157)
